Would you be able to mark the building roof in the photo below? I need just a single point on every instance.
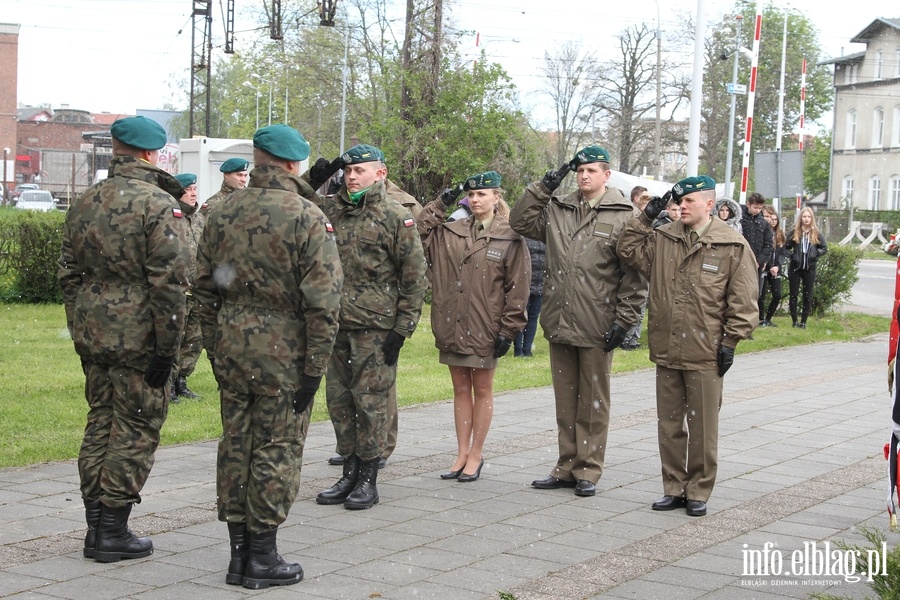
(29, 113)
(849, 58)
(873, 29)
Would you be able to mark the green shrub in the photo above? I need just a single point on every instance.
(30, 244)
(885, 585)
(836, 272)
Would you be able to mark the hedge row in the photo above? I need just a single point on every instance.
(30, 244)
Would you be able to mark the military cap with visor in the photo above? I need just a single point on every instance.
(233, 165)
(483, 181)
(590, 154)
(362, 153)
(281, 141)
(139, 132)
(689, 185)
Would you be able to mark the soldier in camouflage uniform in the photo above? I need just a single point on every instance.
(192, 342)
(234, 177)
(396, 192)
(384, 266)
(124, 274)
(269, 286)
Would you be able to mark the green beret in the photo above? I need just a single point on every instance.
(362, 153)
(483, 181)
(281, 141)
(691, 185)
(591, 154)
(186, 179)
(233, 165)
(139, 132)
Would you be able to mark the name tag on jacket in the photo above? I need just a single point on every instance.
(604, 230)
(495, 254)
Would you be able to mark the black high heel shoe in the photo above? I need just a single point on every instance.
(453, 474)
(466, 478)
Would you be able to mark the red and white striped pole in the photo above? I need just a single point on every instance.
(802, 104)
(751, 97)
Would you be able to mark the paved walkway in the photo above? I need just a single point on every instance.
(800, 461)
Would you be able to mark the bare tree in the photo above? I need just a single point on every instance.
(572, 83)
(627, 99)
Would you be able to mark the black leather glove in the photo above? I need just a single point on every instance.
(725, 358)
(501, 347)
(158, 371)
(657, 205)
(320, 172)
(552, 178)
(303, 397)
(391, 348)
(449, 195)
(614, 337)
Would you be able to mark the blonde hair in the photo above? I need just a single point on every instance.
(813, 227)
(501, 208)
(777, 231)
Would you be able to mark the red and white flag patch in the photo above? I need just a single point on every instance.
(328, 227)
(176, 212)
(409, 222)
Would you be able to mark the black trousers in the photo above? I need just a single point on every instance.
(772, 284)
(808, 278)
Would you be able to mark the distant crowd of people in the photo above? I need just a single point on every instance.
(286, 278)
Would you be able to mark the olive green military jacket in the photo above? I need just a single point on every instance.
(124, 266)
(587, 287)
(702, 296)
(383, 261)
(195, 222)
(269, 285)
(481, 285)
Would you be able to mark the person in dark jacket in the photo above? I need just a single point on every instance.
(806, 245)
(757, 232)
(525, 339)
(772, 278)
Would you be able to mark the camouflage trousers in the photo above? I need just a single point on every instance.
(259, 459)
(121, 435)
(191, 342)
(356, 390)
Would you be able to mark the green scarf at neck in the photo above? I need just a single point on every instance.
(355, 197)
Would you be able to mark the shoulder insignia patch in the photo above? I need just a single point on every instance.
(176, 212)
(409, 222)
(328, 227)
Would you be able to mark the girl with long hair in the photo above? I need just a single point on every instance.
(806, 245)
(772, 278)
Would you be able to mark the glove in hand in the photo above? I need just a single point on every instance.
(303, 397)
(322, 171)
(501, 347)
(614, 337)
(391, 348)
(449, 195)
(657, 205)
(725, 358)
(552, 179)
(158, 371)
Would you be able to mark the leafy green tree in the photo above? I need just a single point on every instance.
(817, 163)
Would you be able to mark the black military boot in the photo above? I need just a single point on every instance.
(92, 510)
(240, 551)
(115, 541)
(181, 389)
(265, 567)
(365, 494)
(337, 493)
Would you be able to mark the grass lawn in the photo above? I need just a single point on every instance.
(42, 406)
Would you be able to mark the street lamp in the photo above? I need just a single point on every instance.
(271, 83)
(256, 89)
(734, 91)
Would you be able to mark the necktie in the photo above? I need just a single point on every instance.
(694, 237)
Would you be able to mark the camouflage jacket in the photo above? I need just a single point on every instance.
(124, 266)
(195, 221)
(269, 285)
(225, 191)
(383, 260)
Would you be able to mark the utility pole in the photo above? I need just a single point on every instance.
(201, 43)
(734, 75)
(656, 137)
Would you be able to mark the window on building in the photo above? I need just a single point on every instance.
(874, 192)
(851, 129)
(895, 127)
(852, 73)
(879, 64)
(897, 62)
(895, 192)
(878, 127)
(847, 189)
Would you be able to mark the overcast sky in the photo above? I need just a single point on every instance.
(122, 55)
